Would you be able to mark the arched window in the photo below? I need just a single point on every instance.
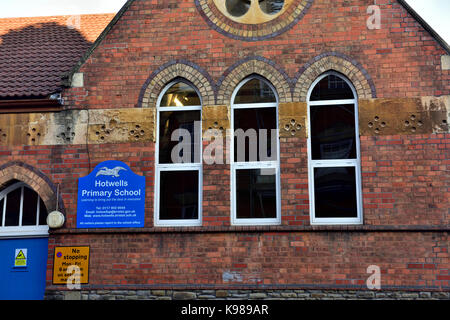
(255, 166)
(334, 152)
(178, 184)
(22, 211)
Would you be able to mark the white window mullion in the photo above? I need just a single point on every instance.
(179, 166)
(254, 105)
(334, 163)
(332, 102)
(255, 165)
(38, 209)
(21, 207)
(4, 210)
(186, 108)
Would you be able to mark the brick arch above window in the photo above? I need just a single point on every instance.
(341, 63)
(249, 66)
(170, 71)
(35, 179)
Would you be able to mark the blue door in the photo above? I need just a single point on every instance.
(26, 281)
(23, 243)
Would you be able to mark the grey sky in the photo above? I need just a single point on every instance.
(435, 12)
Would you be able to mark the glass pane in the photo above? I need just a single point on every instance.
(248, 144)
(189, 122)
(332, 88)
(256, 194)
(178, 195)
(180, 95)
(255, 91)
(13, 208)
(335, 192)
(42, 213)
(30, 199)
(333, 133)
(271, 6)
(237, 8)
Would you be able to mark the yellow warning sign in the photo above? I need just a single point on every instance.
(20, 259)
(21, 256)
(71, 265)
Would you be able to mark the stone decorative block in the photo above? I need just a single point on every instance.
(292, 119)
(216, 117)
(121, 125)
(445, 62)
(403, 116)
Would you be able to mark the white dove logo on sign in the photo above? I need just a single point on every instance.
(110, 172)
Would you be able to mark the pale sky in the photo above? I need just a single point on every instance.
(435, 12)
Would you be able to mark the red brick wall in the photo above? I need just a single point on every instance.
(308, 259)
(405, 178)
(396, 192)
(402, 58)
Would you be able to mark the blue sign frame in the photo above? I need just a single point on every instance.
(111, 196)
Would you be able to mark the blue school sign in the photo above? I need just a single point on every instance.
(112, 196)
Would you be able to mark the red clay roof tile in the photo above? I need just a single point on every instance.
(36, 51)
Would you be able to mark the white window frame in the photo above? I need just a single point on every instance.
(20, 231)
(356, 163)
(177, 166)
(234, 166)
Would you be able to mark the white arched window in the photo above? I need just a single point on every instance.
(254, 153)
(178, 183)
(22, 212)
(334, 152)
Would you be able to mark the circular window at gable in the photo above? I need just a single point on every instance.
(252, 11)
(252, 20)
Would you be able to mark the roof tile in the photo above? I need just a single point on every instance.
(36, 51)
